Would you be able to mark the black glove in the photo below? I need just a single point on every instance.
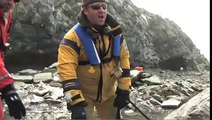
(13, 101)
(122, 98)
(78, 110)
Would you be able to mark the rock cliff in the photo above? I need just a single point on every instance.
(154, 42)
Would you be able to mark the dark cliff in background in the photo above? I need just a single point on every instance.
(154, 42)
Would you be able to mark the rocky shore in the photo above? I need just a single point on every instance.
(159, 94)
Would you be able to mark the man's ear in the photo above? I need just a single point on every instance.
(85, 10)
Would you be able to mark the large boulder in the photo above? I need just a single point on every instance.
(197, 108)
(153, 42)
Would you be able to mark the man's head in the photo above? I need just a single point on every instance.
(96, 11)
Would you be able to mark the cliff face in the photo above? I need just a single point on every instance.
(154, 42)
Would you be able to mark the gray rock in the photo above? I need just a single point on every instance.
(154, 101)
(23, 78)
(27, 72)
(197, 108)
(171, 104)
(40, 92)
(55, 84)
(153, 80)
(42, 77)
(157, 97)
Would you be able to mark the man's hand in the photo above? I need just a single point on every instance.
(122, 98)
(13, 101)
(78, 110)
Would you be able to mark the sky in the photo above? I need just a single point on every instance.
(192, 16)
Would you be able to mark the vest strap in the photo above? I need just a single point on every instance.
(88, 45)
(116, 46)
(90, 48)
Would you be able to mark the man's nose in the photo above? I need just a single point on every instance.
(101, 10)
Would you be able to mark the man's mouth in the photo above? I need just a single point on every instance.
(101, 17)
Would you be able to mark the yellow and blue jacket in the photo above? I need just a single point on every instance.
(79, 77)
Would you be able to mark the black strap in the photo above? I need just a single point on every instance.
(70, 85)
(106, 60)
(76, 97)
(100, 85)
(71, 44)
(126, 73)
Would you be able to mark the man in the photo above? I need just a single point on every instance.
(8, 92)
(92, 57)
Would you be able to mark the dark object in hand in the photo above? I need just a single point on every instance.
(122, 98)
(78, 110)
(13, 101)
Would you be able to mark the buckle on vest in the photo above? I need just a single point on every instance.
(117, 72)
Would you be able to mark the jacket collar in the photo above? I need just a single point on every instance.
(112, 26)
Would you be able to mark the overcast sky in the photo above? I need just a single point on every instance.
(192, 16)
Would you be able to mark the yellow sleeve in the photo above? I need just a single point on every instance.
(68, 53)
(124, 82)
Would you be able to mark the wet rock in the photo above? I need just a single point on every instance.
(148, 98)
(170, 104)
(55, 84)
(154, 101)
(128, 111)
(19, 85)
(185, 92)
(47, 116)
(196, 108)
(40, 91)
(197, 87)
(54, 96)
(36, 99)
(145, 75)
(181, 98)
(157, 97)
(27, 72)
(153, 80)
(23, 78)
(42, 77)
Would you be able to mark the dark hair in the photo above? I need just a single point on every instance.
(88, 2)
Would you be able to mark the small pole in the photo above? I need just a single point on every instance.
(139, 110)
(118, 115)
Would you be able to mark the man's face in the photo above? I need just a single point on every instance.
(6, 4)
(96, 13)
